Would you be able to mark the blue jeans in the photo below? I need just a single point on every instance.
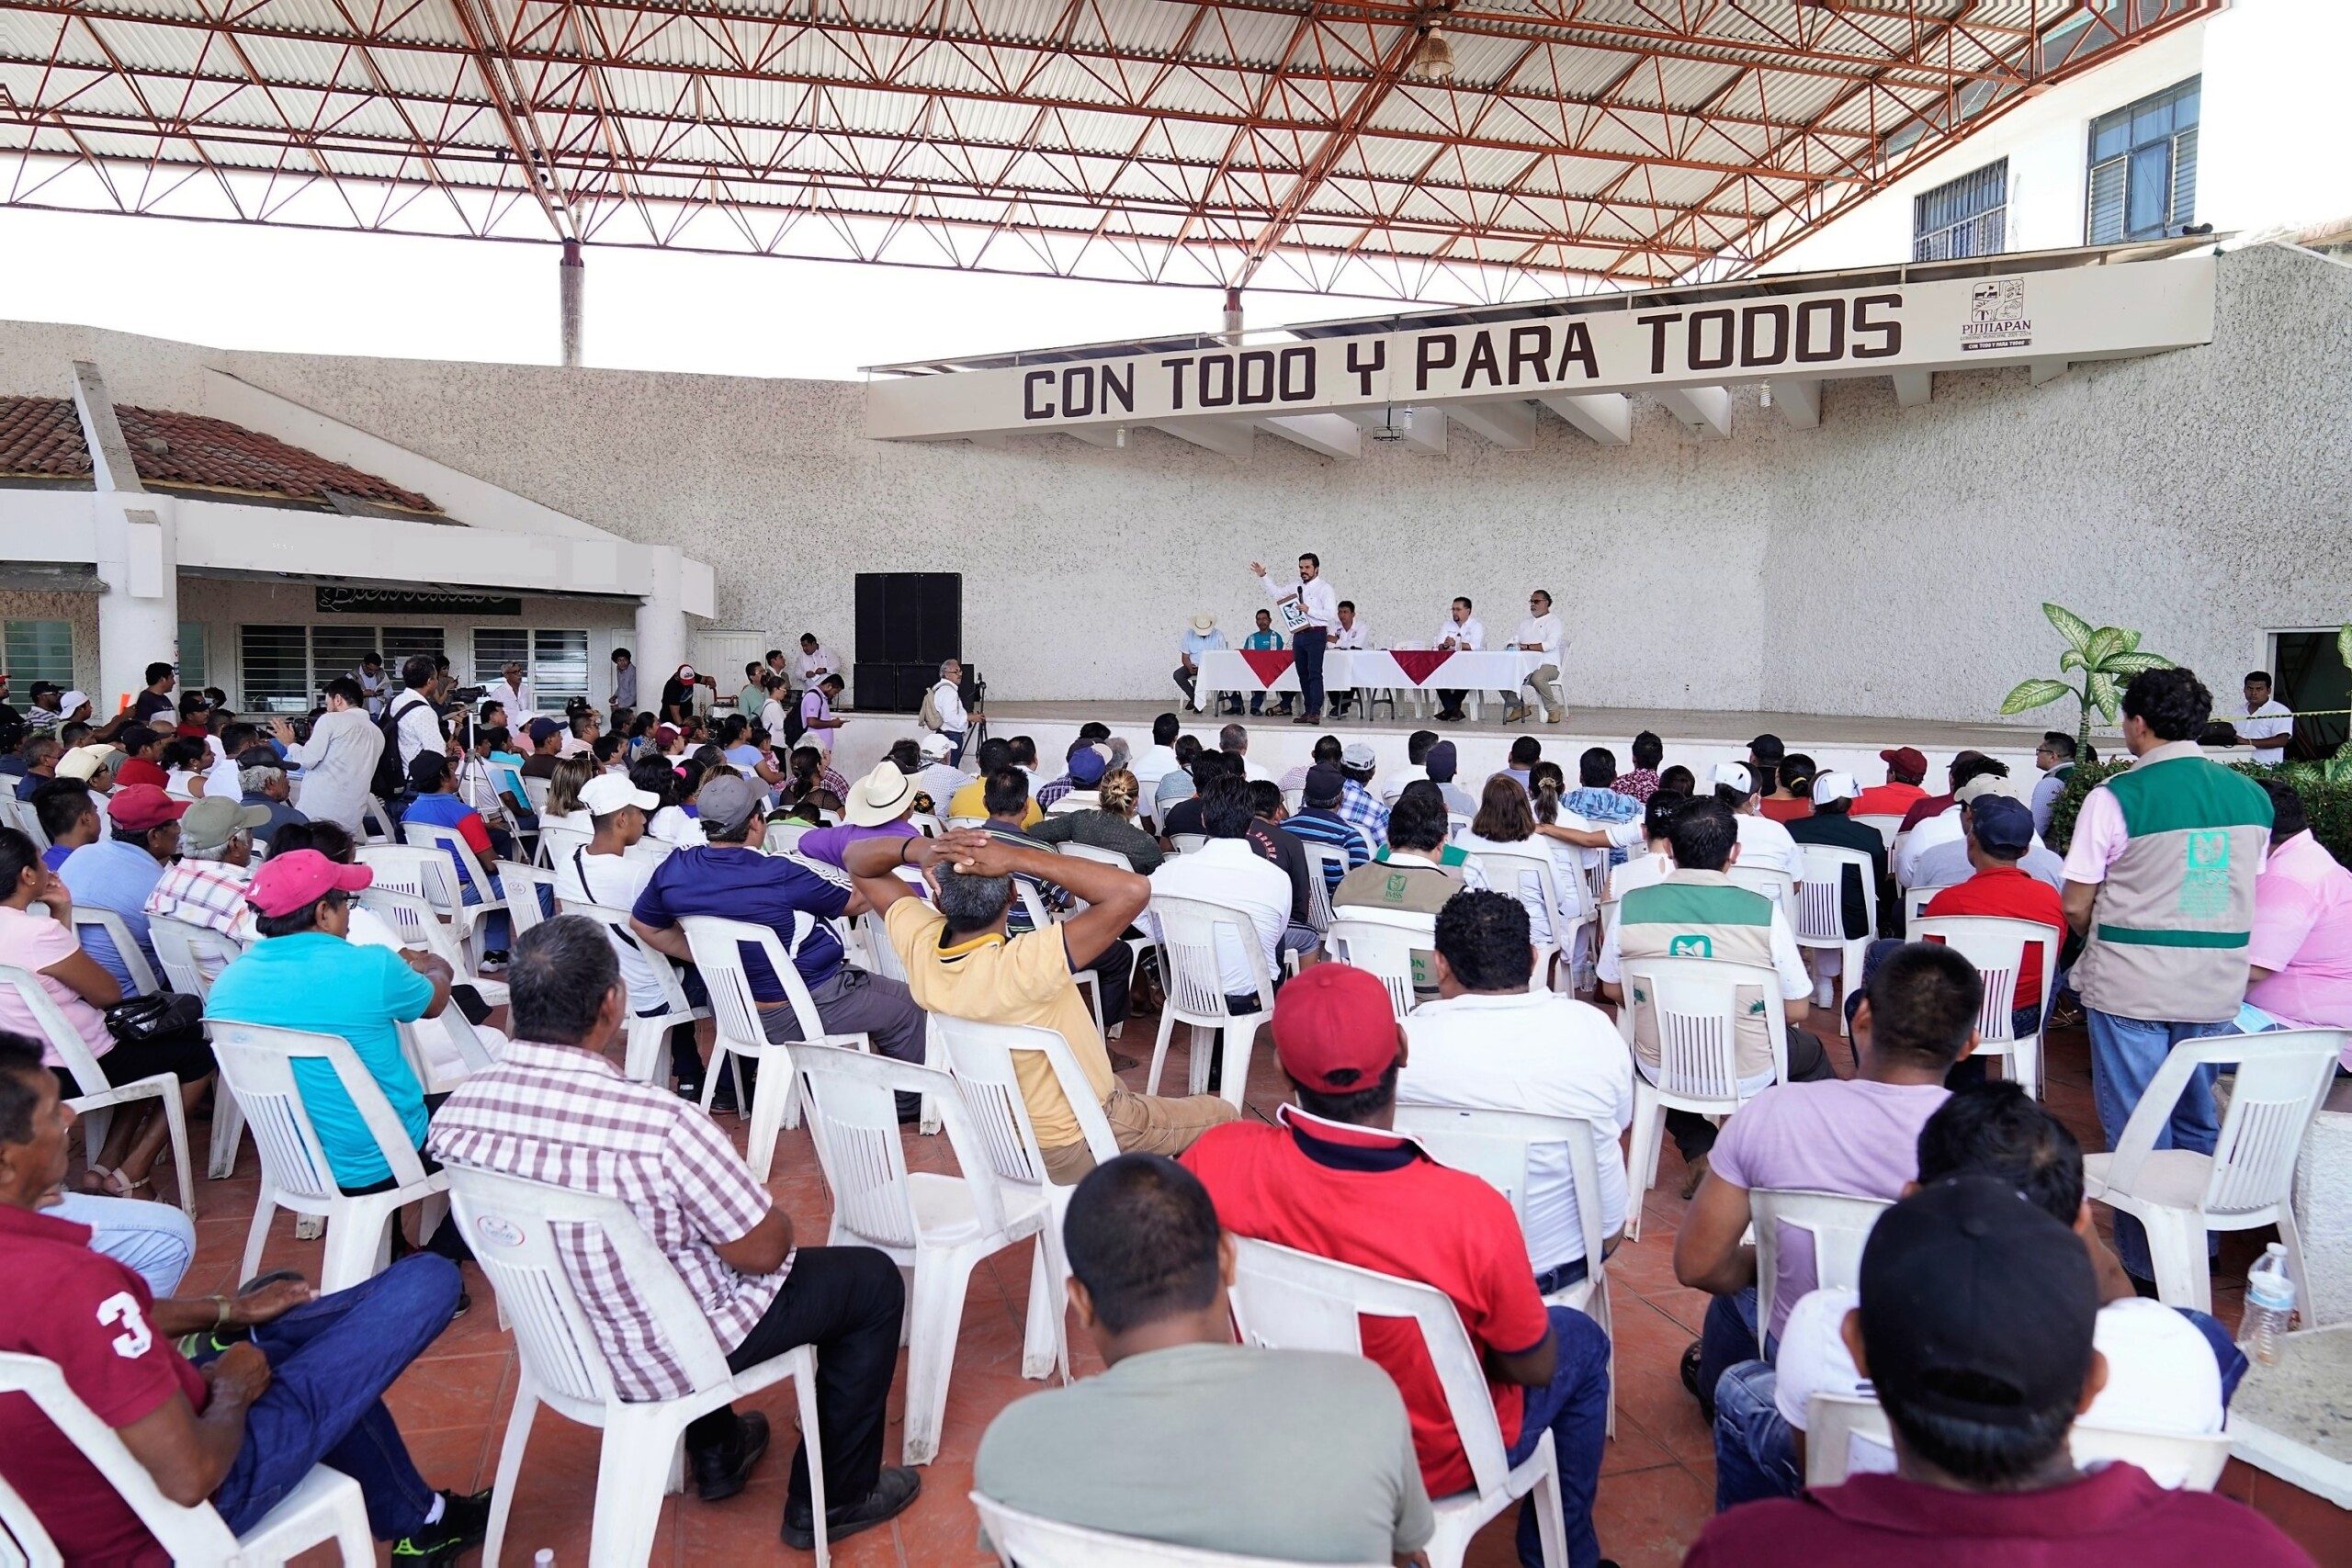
(1728, 1335)
(1756, 1451)
(955, 739)
(330, 1363)
(2125, 1053)
(154, 1241)
(1574, 1407)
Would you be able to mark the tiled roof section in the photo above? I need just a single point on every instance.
(42, 436)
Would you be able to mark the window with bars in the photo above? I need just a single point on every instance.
(1966, 217)
(281, 669)
(555, 661)
(39, 650)
(2142, 181)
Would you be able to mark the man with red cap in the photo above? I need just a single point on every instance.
(1333, 1179)
(1906, 767)
(119, 872)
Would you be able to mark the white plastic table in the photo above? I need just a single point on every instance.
(1496, 670)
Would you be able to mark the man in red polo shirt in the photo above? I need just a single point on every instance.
(1905, 766)
(2000, 830)
(1335, 1180)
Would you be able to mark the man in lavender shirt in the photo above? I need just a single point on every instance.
(1858, 1136)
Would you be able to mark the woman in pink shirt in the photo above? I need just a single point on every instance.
(2299, 956)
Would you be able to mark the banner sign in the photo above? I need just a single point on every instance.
(2062, 314)
(409, 602)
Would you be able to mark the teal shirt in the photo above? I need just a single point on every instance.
(1263, 641)
(323, 984)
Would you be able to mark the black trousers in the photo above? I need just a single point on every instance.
(845, 1300)
(1306, 646)
(1693, 1134)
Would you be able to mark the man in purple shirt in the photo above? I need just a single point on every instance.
(1858, 1135)
(877, 807)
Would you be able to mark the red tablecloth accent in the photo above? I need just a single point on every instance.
(1419, 663)
(1268, 662)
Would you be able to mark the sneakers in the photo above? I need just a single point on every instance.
(463, 1524)
(894, 1490)
(721, 1469)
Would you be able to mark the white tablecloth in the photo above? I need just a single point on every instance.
(1344, 669)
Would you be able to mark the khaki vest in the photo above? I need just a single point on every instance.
(2168, 935)
(1699, 914)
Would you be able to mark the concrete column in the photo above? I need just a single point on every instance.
(139, 613)
(1232, 329)
(571, 283)
(660, 623)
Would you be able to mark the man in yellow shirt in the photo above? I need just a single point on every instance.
(968, 801)
(960, 963)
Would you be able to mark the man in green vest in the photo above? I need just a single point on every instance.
(2160, 885)
(1698, 912)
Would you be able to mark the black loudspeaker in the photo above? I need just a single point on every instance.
(907, 622)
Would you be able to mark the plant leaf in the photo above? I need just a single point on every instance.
(2035, 694)
(2344, 646)
(2131, 641)
(2126, 665)
(2072, 660)
(2072, 627)
(2105, 644)
(2106, 694)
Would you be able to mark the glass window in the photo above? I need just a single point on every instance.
(336, 650)
(39, 651)
(1966, 217)
(194, 668)
(558, 666)
(493, 646)
(274, 668)
(2143, 182)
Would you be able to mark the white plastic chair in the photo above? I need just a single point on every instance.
(1776, 886)
(468, 919)
(782, 837)
(1187, 930)
(2179, 1194)
(1456, 824)
(21, 816)
(523, 884)
(2177, 1461)
(535, 794)
(1498, 1147)
(1817, 918)
(1026, 1540)
(512, 1225)
(643, 1056)
(191, 957)
(937, 1227)
(558, 839)
(717, 946)
(1837, 1224)
(324, 1506)
(1381, 943)
(1511, 869)
(375, 823)
(1887, 826)
(1996, 945)
(982, 1056)
(257, 1066)
(1289, 1300)
(1914, 903)
(134, 957)
(1696, 1006)
(417, 920)
(1322, 862)
(96, 1106)
(1187, 843)
(1077, 851)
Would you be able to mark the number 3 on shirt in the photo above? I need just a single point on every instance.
(122, 1307)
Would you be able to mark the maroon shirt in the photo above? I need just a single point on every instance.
(1924, 807)
(2112, 1516)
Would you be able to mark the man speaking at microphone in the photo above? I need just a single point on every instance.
(1307, 609)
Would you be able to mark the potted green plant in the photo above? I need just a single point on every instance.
(2108, 657)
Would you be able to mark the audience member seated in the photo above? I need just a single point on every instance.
(658, 777)
(961, 962)
(39, 752)
(1333, 1179)
(1155, 762)
(970, 801)
(141, 749)
(1326, 751)
(1319, 822)
(1597, 798)
(69, 818)
(555, 1108)
(1964, 766)
(544, 737)
(1858, 1136)
(1905, 766)
(1180, 814)
(1695, 911)
(1999, 830)
(225, 1399)
(937, 777)
(1279, 847)
(1980, 1413)
(1651, 865)
(1791, 797)
(1187, 1437)
(1359, 806)
(1408, 875)
(1229, 873)
(119, 872)
(2169, 1369)
(2300, 956)
(1098, 757)
(1642, 781)
(1416, 767)
(433, 801)
(205, 885)
(1945, 859)
(1831, 825)
(1114, 968)
(1764, 844)
(306, 974)
(1440, 764)
(49, 950)
(878, 807)
(262, 781)
(1234, 741)
(1489, 1044)
(1109, 824)
(1505, 821)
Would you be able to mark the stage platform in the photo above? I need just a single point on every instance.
(1695, 738)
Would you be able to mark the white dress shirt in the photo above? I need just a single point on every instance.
(1318, 603)
(808, 669)
(1232, 875)
(337, 762)
(1150, 765)
(1357, 636)
(516, 699)
(420, 726)
(1469, 637)
(1763, 842)
(1540, 1052)
(949, 701)
(1543, 629)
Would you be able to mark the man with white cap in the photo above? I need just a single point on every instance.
(1763, 843)
(939, 777)
(1359, 807)
(73, 708)
(1202, 636)
(1832, 825)
(1946, 863)
(730, 878)
(1986, 776)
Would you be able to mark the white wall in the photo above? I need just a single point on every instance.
(1890, 561)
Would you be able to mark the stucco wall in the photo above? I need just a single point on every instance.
(1889, 563)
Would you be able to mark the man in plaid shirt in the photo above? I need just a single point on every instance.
(556, 1109)
(207, 885)
(1358, 806)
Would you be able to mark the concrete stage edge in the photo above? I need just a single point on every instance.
(1696, 740)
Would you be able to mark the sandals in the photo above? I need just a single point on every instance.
(110, 1183)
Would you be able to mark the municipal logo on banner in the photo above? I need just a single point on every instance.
(2205, 880)
(1997, 317)
(1692, 945)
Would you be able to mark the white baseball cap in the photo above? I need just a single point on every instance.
(70, 701)
(934, 745)
(1733, 776)
(1835, 787)
(608, 793)
(1982, 784)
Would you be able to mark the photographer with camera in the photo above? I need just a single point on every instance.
(337, 757)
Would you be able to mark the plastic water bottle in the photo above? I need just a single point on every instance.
(2269, 1306)
(543, 1558)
